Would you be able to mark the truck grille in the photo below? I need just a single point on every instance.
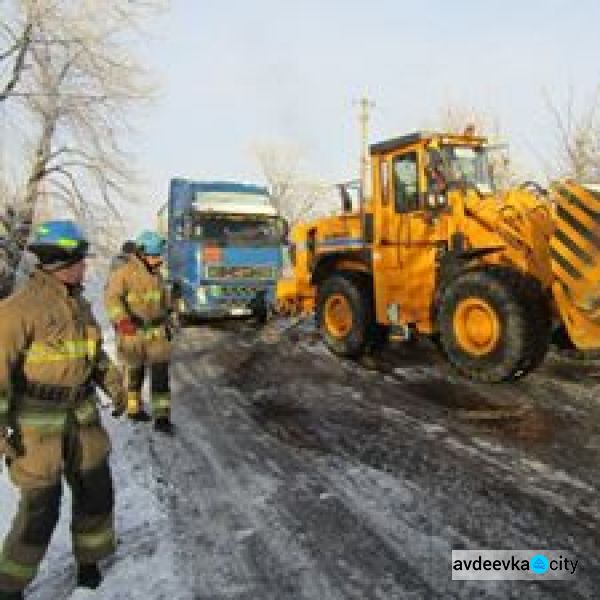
(234, 292)
(229, 272)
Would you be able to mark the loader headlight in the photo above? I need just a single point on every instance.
(441, 201)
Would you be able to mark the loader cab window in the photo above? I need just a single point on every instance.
(406, 192)
(469, 165)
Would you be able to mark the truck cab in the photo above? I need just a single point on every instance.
(224, 250)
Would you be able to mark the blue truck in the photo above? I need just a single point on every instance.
(224, 250)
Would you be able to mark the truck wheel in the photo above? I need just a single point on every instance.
(261, 316)
(344, 315)
(379, 337)
(485, 325)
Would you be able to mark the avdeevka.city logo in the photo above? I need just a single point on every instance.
(539, 564)
(513, 564)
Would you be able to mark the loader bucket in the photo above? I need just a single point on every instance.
(575, 253)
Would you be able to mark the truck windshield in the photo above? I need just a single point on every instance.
(233, 230)
(469, 165)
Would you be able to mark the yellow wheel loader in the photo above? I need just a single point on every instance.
(436, 250)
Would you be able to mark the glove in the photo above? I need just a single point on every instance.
(125, 327)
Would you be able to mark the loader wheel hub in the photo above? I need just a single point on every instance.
(476, 326)
(338, 315)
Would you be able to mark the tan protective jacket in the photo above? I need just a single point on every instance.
(50, 341)
(136, 293)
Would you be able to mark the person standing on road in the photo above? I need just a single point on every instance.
(138, 305)
(51, 359)
(127, 249)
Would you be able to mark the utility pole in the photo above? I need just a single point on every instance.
(364, 107)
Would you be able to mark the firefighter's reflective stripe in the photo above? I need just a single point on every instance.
(3, 404)
(134, 401)
(153, 333)
(161, 405)
(55, 421)
(16, 570)
(41, 352)
(86, 413)
(161, 401)
(92, 541)
(116, 312)
(144, 297)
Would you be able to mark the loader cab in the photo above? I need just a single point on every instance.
(412, 177)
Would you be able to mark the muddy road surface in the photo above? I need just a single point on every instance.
(297, 475)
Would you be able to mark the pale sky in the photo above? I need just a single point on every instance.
(242, 72)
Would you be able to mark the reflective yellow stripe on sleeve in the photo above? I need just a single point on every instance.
(146, 297)
(116, 312)
(41, 352)
(153, 333)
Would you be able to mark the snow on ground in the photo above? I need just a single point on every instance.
(143, 567)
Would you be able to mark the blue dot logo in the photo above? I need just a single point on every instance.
(539, 564)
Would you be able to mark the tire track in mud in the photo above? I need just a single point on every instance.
(255, 424)
(283, 550)
(525, 488)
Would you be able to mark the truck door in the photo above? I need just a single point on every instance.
(407, 244)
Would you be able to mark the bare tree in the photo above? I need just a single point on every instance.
(577, 137)
(79, 88)
(297, 197)
(15, 41)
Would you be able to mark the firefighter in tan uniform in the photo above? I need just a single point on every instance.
(137, 304)
(51, 359)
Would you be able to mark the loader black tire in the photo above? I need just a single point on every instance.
(539, 319)
(521, 324)
(353, 291)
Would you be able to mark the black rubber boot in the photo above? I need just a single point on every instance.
(88, 576)
(11, 595)
(164, 425)
(140, 417)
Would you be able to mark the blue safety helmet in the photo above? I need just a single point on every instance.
(59, 242)
(150, 243)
